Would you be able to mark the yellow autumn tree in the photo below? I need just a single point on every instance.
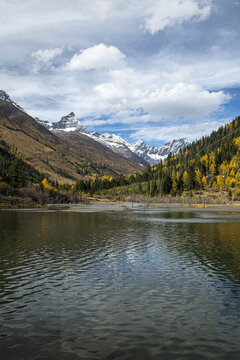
(224, 168)
(204, 160)
(237, 142)
(178, 176)
(233, 163)
(198, 176)
(220, 182)
(232, 173)
(237, 177)
(228, 181)
(185, 180)
(46, 184)
(212, 168)
(214, 185)
(174, 183)
(204, 181)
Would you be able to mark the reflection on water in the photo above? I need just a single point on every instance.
(132, 285)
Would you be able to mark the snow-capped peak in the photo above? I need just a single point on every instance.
(137, 145)
(138, 151)
(118, 145)
(154, 155)
(69, 122)
(150, 154)
(110, 139)
(6, 97)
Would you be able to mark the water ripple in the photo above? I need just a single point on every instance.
(135, 285)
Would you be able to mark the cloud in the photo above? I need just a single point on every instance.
(121, 95)
(47, 54)
(168, 13)
(44, 58)
(191, 131)
(123, 75)
(182, 100)
(96, 57)
(158, 95)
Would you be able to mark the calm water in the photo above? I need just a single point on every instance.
(131, 285)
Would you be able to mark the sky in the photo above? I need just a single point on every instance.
(154, 70)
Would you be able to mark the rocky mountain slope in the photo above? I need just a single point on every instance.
(6, 97)
(70, 123)
(149, 154)
(67, 123)
(119, 146)
(138, 151)
(59, 158)
(154, 155)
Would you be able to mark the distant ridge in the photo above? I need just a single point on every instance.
(138, 151)
(59, 158)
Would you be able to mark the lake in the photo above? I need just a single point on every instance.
(154, 284)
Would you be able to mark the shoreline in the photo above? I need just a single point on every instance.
(127, 206)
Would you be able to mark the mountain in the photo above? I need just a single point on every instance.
(15, 170)
(44, 123)
(70, 123)
(139, 150)
(6, 97)
(67, 123)
(208, 169)
(154, 155)
(59, 158)
(119, 146)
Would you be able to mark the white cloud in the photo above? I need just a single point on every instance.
(157, 94)
(182, 100)
(190, 131)
(123, 96)
(140, 79)
(45, 57)
(168, 13)
(96, 57)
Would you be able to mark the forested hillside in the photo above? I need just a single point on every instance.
(14, 170)
(212, 162)
(38, 167)
(209, 164)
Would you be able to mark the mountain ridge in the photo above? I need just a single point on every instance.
(6, 97)
(59, 159)
(138, 151)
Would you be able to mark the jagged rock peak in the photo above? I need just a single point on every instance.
(6, 97)
(70, 122)
(154, 155)
(45, 123)
(118, 145)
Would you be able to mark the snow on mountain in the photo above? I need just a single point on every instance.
(112, 141)
(118, 145)
(70, 122)
(138, 151)
(154, 155)
(67, 123)
(6, 97)
(45, 123)
(150, 154)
